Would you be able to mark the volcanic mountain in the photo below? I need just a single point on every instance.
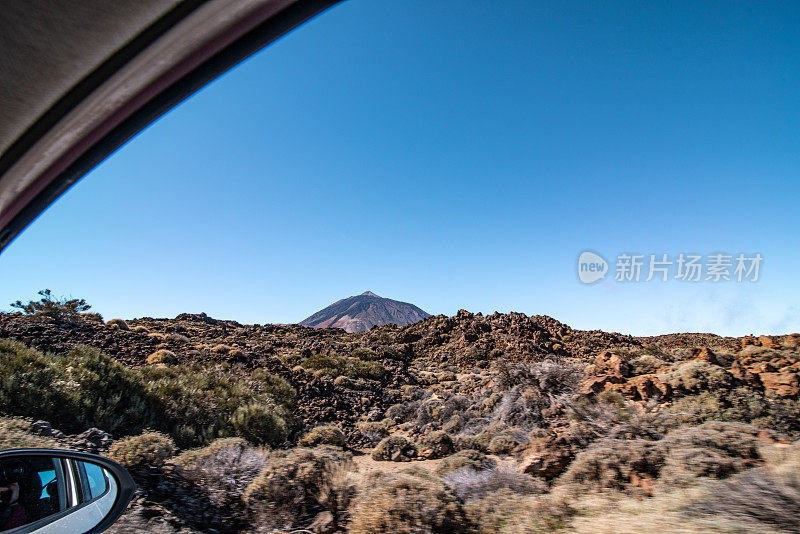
(362, 312)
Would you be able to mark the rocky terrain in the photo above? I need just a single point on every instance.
(362, 312)
(500, 423)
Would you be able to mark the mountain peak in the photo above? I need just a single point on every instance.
(362, 312)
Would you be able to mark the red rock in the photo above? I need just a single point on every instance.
(749, 340)
(767, 342)
(781, 384)
(612, 364)
(650, 386)
(545, 457)
(705, 355)
(791, 341)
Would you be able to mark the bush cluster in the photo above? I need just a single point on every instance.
(407, 502)
(74, 392)
(334, 366)
(194, 404)
(322, 435)
(287, 490)
(147, 449)
(394, 449)
(712, 450)
(224, 468)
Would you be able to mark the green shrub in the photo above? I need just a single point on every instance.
(406, 502)
(162, 356)
(394, 449)
(200, 402)
(322, 435)
(57, 308)
(334, 365)
(260, 423)
(147, 449)
(363, 353)
(74, 392)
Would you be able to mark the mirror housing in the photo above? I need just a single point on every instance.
(65, 491)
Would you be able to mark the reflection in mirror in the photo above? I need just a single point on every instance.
(53, 494)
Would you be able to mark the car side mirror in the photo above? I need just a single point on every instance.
(43, 490)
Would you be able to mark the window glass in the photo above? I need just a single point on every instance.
(95, 482)
(31, 488)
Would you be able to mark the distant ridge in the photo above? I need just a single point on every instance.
(362, 312)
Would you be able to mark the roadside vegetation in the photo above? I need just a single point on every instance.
(445, 426)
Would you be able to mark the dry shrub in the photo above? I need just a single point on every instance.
(446, 376)
(507, 512)
(402, 412)
(286, 492)
(221, 349)
(178, 338)
(553, 375)
(14, 435)
(696, 375)
(225, 468)
(140, 329)
(373, 431)
(469, 458)
(437, 444)
(162, 356)
(759, 498)
(322, 435)
(337, 491)
(394, 449)
(503, 444)
(741, 404)
(468, 483)
(118, 323)
(150, 448)
(612, 464)
(646, 364)
(187, 458)
(92, 317)
(406, 502)
(713, 450)
(610, 415)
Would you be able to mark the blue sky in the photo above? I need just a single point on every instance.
(456, 154)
